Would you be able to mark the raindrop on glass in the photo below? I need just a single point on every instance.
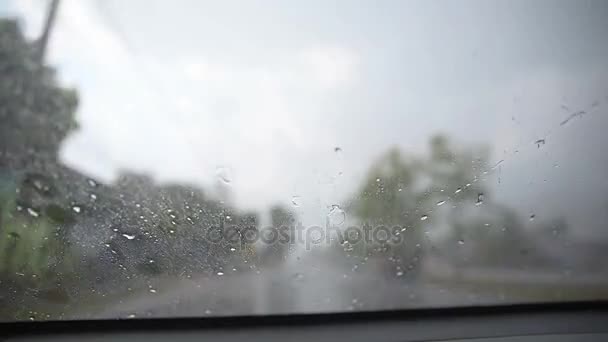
(129, 237)
(224, 174)
(348, 247)
(336, 215)
(479, 199)
(295, 201)
(32, 212)
(539, 142)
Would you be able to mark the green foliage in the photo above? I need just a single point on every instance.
(36, 115)
(402, 194)
(32, 249)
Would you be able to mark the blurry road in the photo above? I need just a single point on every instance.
(312, 288)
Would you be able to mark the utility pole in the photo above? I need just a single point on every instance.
(48, 27)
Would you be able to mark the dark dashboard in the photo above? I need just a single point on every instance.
(579, 321)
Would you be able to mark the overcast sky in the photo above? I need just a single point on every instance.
(263, 91)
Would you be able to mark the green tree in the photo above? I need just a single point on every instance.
(36, 115)
(403, 194)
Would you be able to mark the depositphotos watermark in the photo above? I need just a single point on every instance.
(308, 236)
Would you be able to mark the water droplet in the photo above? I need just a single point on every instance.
(93, 197)
(228, 218)
(424, 217)
(348, 247)
(32, 212)
(32, 318)
(91, 182)
(224, 174)
(479, 199)
(295, 201)
(337, 149)
(336, 215)
(220, 273)
(129, 237)
(399, 273)
(76, 209)
(40, 184)
(461, 242)
(539, 142)
(207, 312)
(232, 249)
(131, 316)
(171, 231)
(440, 203)
(152, 290)
(497, 164)
(377, 179)
(532, 217)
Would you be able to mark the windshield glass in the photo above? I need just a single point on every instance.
(205, 158)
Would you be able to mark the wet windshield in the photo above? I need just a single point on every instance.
(203, 158)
